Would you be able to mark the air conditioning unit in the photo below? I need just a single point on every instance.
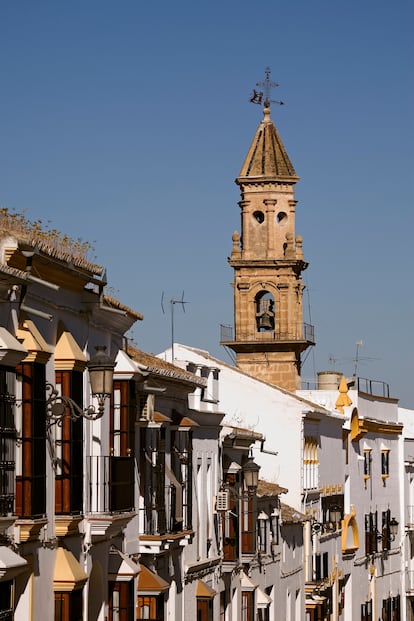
(223, 501)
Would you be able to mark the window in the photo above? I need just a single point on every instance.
(7, 447)
(247, 524)
(391, 609)
(69, 448)
(150, 607)
(122, 447)
(229, 522)
(367, 463)
(275, 527)
(6, 600)
(321, 564)
(204, 609)
(31, 473)
(120, 605)
(68, 606)
(385, 464)
(371, 530)
(345, 445)
(152, 480)
(263, 532)
(247, 610)
(310, 463)
(366, 611)
(181, 466)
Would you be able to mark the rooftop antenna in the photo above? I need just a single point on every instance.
(358, 345)
(266, 85)
(172, 303)
(333, 360)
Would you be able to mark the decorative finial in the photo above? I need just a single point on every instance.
(266, 85)
(343, 400)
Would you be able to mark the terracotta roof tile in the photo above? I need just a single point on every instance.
(291, 516)
(113, 303)
(161, 367)
(265, 488)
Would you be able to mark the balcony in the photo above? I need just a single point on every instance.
(409, 582)
(301, 333)
(172, 516)
(166, 520)
(373, 387)
(7, 484)
(110, 498)
(409, 517)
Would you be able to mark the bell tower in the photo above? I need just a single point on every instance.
(267, 259)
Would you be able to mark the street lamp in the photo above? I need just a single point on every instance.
(101, 372)
(251, 474)
(335, 514)
(393, 528)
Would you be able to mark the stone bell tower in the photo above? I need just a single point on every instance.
(267, 259)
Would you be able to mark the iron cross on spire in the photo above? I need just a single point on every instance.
(267, 85)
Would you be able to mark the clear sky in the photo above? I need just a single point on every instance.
(125, 124)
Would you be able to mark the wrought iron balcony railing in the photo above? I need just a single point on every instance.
(111, 484)
(409, 581)
(302, 332)
(167, 515)
(7, 486)
(409, 517)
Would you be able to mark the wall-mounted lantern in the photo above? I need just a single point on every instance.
(101, 373)
(251, 474)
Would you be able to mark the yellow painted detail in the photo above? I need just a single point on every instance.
(344, 399)
(68, 354)
(68, 575)
(350, 534)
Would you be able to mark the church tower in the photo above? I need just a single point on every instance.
(267, 259)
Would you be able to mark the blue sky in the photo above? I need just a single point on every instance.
(125, 124)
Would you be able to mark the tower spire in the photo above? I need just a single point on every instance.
(267, 259)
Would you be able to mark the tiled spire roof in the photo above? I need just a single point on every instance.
(267, 157)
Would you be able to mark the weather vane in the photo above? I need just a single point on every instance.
(266, 85)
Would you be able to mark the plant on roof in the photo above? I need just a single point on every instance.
(38, 234)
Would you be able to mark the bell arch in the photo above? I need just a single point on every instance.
(265, 314)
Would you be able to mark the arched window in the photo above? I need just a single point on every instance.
(265, 311)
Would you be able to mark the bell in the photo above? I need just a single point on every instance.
(265, 322)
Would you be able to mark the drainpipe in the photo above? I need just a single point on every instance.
(307, 551)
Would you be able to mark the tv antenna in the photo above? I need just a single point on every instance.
(266, 85)
(333, 360)
(358, 345)
(173, 302)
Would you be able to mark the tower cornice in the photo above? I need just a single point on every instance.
(298, 265)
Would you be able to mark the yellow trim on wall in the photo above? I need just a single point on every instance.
(68, 354)
(361, 426)
(349, 522)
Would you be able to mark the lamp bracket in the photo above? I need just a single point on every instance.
(58, 406)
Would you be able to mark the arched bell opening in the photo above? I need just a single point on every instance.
(265, 312)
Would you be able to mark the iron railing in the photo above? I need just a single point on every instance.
(373, 387)
(7, 485)
(160, 517)
(410, 517)
(301, 332)
(409, 580)
(111, 484)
